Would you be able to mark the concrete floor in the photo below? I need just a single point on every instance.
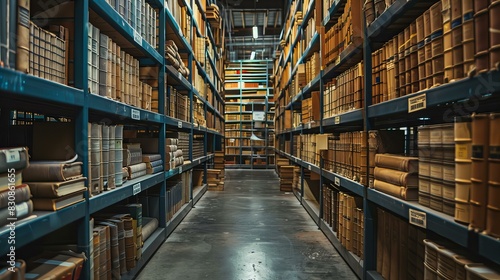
(249, 231)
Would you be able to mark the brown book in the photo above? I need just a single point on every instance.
(22, 194)
(53, 171)
(13, 159)
(396, 177)
(151, 157)
(380, 239)
(23, 36)
(405, 193)
(395, 249)
(113, 254)
(55, 267)
(121, 240)
(7, 179)
(23, 210)
(54, 204)
(149, 226)
(57, 189)
(406, 164)
(387, 260)
(403, 250)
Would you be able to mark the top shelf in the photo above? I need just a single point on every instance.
(334, 12)
(118, 23)
(395, 19)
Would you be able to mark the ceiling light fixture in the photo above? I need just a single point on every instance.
(255, 32)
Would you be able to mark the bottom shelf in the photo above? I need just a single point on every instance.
(373, 275)
(150, 246)
(178, 217)
(198, 192)
(354, 262)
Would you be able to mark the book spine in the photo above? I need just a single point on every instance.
(137, 174)
(21, 193)
(396, 163)
(137, 168)
(394, 177)
(105, 155)
(396, 191)
(15, 158)
(23, 35)
(154, 170)
(112, 158)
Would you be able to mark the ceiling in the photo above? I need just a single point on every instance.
(240, 16)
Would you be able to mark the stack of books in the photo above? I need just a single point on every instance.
(55, 184)
(12, 162)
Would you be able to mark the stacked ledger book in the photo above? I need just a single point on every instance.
(55, 184)
(132, 159)
(12, 162)
(153, 162)
(397, 176)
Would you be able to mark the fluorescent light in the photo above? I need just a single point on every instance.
(252, 56)
(255, 32)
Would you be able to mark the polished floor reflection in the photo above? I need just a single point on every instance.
(249, 231)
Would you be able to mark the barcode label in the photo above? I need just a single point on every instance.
(417, 103)
(337, 120)
(309, 167)
(137, 37)
(179, 124)
(337, 181)
(179, 75)
(135, 114)
(418, 218)
(12, 156)
(136, 188)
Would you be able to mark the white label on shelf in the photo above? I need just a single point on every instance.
(327, 19)
(337, 181)
(136, 188)
(231, 140)
(337, 120)
(135, 114)
(417, 103)
(179, 75)
(13, 155)
(418, 218)
(308, 125)
(137, 37)
(309, 167)
(179, 124)
(259, 116)
(295, 159)
(180, 169)
(309, 84)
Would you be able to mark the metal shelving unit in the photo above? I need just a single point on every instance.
(442, 101)
(248, 101)
(28, 93)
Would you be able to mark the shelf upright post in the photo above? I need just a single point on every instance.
(191, 93)
(81, 11)
(161, 109)
(369, 209)
(240, 86)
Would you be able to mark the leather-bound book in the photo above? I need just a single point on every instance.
(135, 211)
(112, 158)
(57, 189)
(150, 157)
(54, 204)
(21, 193)
(13, 159)
(97, 254)
(95, 158)
(23, 36)
(137, 170)
(155, 169)
(23, 210)
(7, 179)
(128, 226)
(396, 177)
(118, 155)
(105, 155)
(60, 266)
(405, 193)
(121, 241)
(113, 254)
(52, 171)
(101, 265)
(405, 164)
(149, 226)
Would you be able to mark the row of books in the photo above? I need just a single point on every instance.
(344, 214)
(141, 16)
(345, 93)
(115, 74)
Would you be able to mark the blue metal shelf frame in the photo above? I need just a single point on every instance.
(334, 13)
(29, 89)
